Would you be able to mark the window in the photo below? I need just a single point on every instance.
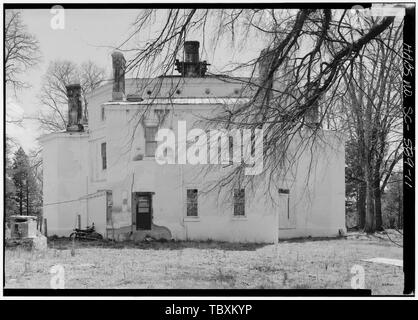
(103, 115)
(103, 154)
(239, 202)
(150, 142)
(192, 202)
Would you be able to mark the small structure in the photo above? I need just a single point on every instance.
(23, 227)
(23, 233)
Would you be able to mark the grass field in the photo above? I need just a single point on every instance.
(299, 264)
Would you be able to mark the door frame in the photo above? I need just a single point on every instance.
(134, 201)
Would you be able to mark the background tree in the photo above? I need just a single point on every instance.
(21, 52)
(53, 95)
(21, 49)
(26, 193)
(35, 161)
(10, 189)
(370, 112)
(393, 202)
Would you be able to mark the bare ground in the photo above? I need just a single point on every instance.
(308, 263)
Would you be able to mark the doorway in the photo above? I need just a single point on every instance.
(142, 205)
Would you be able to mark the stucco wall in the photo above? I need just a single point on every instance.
(65, 175)
(72, 170)
(316, 204)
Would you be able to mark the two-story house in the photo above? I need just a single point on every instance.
(106, 172)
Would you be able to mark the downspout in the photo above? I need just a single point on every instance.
(87, 199)
(182, 200)
(276, 233)
(132, 213)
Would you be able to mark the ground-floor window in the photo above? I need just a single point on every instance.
(192, 202)
(239, 202)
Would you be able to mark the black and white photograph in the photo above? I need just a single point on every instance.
(196, 148)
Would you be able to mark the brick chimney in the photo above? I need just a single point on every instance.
(75, 112)
(191, 66)
(119, 65)
(191, 51)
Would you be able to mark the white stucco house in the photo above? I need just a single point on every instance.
(105, 171)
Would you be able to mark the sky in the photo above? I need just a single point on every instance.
(88, 34)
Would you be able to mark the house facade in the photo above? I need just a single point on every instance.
(106, 171)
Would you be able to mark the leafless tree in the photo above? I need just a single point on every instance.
(53, 95)
(21, 49)
(370, 111)
(308, 55)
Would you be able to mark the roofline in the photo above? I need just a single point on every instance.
(62, 134)
(109, 83)
(180, 101)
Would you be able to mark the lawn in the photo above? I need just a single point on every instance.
(308, 263)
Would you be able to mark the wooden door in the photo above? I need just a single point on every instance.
(143, 211)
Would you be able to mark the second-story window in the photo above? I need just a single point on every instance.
(103, 154)
(150, 142)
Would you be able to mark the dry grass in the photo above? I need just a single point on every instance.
(299, 264)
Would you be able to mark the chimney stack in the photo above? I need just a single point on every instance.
(191, 66)
(119, 65)
(75, 113)
(191, 51)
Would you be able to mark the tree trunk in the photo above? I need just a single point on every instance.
(361, 205)
(21, 202)
(378, 198)
(370, 217)
(27, 199)
(400, 222)
(378, 208)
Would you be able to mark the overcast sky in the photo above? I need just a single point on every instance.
(88, 35)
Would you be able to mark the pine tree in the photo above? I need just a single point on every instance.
(27, 191)
(10, 189)
(20, 175)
